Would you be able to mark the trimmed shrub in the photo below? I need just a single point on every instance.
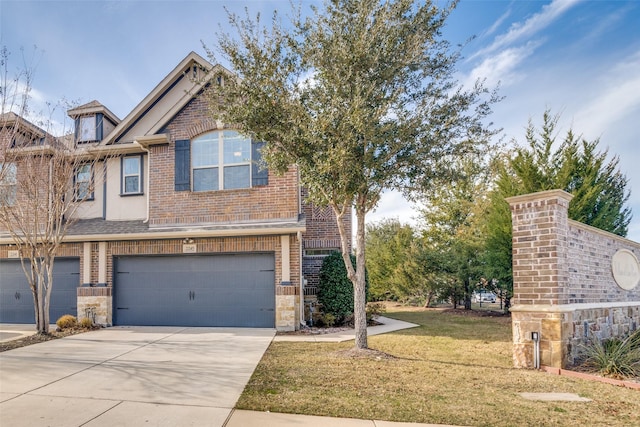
(374, 310)
(328, 320)
(66, 321)
(335, 290)
(86, 323)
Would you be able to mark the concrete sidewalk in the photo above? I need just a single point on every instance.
(388, 325)
(14, 331)
(271, 419)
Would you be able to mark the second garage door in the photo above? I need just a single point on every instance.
(16, 301)
(234, 290)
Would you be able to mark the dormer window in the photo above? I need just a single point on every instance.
(90, 128)
(87, 130)
(93, 121)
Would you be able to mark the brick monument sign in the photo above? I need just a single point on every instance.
(571, 282)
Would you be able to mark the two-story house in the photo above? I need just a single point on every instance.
(184, 227)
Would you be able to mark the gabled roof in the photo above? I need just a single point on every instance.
(165, 100)
(92, 108)
(12, 120)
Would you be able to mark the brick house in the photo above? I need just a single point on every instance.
(186, 227)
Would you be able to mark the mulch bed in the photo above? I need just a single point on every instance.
(321, 330)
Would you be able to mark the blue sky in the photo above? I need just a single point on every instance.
(580, 59)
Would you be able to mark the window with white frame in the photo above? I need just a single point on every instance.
(8, 183)
(221, 160)
(131, 175)
(83, 181)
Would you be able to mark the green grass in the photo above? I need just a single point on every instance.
(453, 369)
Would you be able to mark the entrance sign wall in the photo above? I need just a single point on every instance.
(571, 282)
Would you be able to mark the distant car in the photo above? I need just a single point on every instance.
(488, 297)
(485, 297)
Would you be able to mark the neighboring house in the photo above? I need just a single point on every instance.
(186, 228)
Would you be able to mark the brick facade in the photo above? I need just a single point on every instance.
(278, 200)
(563, 283)
(321, 234)
(271, 218)
(287, 304)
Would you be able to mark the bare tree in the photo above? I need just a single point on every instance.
(43, 181)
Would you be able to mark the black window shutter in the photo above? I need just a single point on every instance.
(77, 123)
(259, 171)
(183, 165)
(99, 126)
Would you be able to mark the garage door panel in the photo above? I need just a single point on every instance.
(16, 301)
(196, 290)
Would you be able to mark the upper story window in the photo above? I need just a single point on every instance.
(131, 175)
(87, 131)
(219, 160)
(83, 182)
(91, 128)
(8, 183)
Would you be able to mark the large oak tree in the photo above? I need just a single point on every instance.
(360, 96)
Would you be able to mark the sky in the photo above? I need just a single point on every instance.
(577, 58)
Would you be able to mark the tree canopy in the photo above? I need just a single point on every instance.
(361, 97)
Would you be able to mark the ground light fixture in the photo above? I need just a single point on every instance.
(535, 337)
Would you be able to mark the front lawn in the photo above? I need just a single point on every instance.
(453, 369)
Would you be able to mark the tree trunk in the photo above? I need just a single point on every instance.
(48, 287)
(357, 277)
(40, 302)
(359, 291)
(467, 294)
(428, 301)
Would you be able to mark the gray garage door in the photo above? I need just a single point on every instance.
(195, 290)
(16, 302)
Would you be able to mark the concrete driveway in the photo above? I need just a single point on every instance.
(129, 376)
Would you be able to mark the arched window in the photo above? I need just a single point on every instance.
(221, 160)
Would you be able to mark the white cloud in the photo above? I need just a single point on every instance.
(616, 98)
(393, 205)
(498, 22)
(502, 66)
(528, 28)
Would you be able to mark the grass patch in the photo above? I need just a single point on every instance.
(453, 369)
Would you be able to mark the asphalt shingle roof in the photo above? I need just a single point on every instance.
(98, 226)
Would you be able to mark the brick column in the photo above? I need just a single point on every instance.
(540, 273)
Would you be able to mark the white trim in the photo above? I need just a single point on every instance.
(566, 308)
(86, 259)
(286, 258)
(102, 262)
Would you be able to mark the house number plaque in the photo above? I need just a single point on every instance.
(190, 248)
